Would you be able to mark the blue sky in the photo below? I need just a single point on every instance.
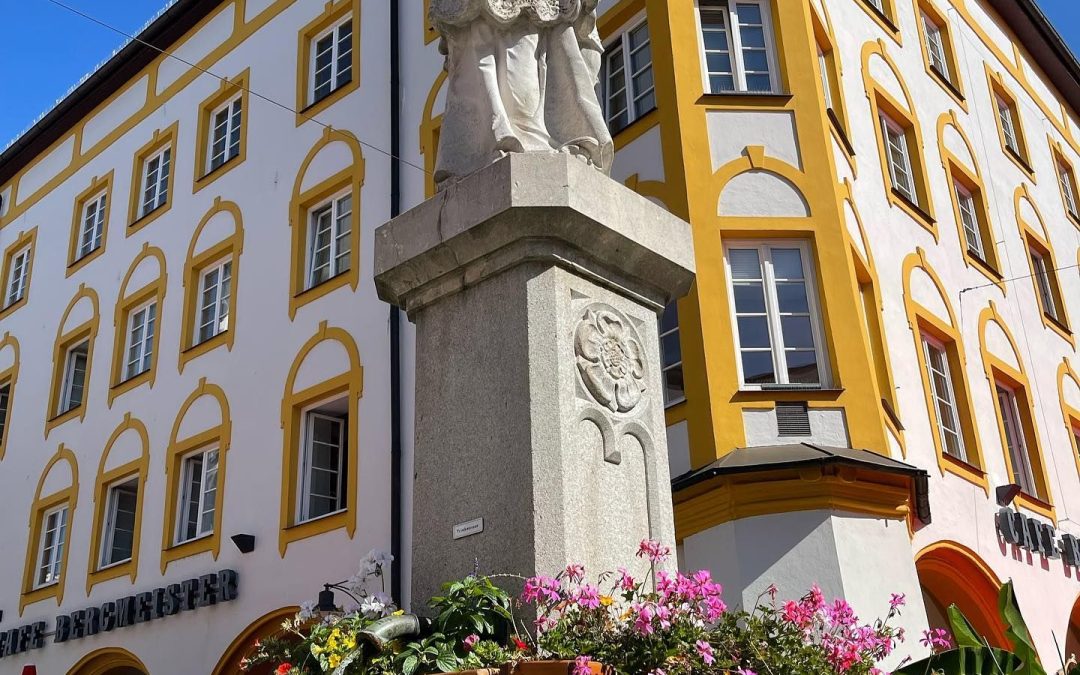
(34, 73)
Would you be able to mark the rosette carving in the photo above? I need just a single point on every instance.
(610, 359)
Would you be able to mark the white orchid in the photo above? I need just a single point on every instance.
(374, 562)
(377, 605)
(307, 610)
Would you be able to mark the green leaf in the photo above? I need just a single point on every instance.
(1017, 631)
(447, 663)
(965, 661)
(963, 632)
(410, 664)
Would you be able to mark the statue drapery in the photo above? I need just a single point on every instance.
(522, 78)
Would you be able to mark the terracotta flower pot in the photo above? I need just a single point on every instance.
(481, 671)
(547, 668)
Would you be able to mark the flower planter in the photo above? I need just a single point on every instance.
(547, 668)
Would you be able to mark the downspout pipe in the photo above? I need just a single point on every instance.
(395, 312)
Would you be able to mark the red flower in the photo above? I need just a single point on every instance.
(283, 669)
(519, 643)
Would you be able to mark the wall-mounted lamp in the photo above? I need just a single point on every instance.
(245, 543)
(1007, 493)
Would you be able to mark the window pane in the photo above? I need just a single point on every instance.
(787, 263)
(750, 298)
(798, 332)
(754, 332)
(745, 263)
(802, 368)
(672, 351)
(758, 368)
(792, 297)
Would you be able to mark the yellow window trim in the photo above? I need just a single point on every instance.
(69, 496)
(299, 210)
(194, 265)
(1040, 241)
(161, 138)
(956, 171)
(65, 340)
(137, 469)
(219, 436)
(921, 320)
(1070, 415)
(98, 185)
(997, 371)
(332, 14)
(826, 42)
(1061, 160)
(954, 86)
(107, 660)
(996, 83)
(236, 87)
(885, 19)
(24, 239)
(9, 376)
(881, 102)
(349, 384)
(125, 303)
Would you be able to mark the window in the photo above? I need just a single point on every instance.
(214, 290)
(324, 470)
(74, 385)
(331, 60)
(942, 389)
(50, 559)
(1010, 126)
(119, 526)
(935, 47)
(899, 158)
(671, 356)
(1045, 283)
(778, 335)
(93, 226)
(5, 408)
(329, 240)
(628, 88)
(18, 277)
(1067, 182)
(969, 219)
(140, 342)
(826, 80)
(1016, 445)
(155, 181)
(198, 499)
(737, 41)
(225, 125)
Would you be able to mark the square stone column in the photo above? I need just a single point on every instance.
(535, 285)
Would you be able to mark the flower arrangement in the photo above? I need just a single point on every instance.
(660, 624)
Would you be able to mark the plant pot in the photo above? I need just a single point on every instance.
(481, 671)
(547, 668)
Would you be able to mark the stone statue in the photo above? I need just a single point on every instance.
(522, 78)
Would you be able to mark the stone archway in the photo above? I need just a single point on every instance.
(1072, 632)
(951, 574)
(111, 661)
(265, 626)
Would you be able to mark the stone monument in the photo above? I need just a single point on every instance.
(534, 281)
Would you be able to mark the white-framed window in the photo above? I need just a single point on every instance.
(826, 81)
(899, 158)
(74, 389)
(155, 181)
(737, 40)
(5, 407)
(17, 277)
(140, 343)
(671, 356)
(942, 391)
(331, 60)
(92, 226)
(329, 240)
(118, 530)
(1068, 188)
(778, 329)
(198, 495)
(1008, 124)
(215, 288)
(1015, 440)
(50, 558)
(627, 78)
(969, 218)
(324, 461)
(1044, 286)
(935, 47)
(879, 5)
(224, 138)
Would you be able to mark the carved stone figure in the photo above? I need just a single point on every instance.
(522, 77)
(610, 359)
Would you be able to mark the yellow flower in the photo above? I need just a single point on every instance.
(334, 661)
(399, 612)
(606, 600)
(316, 650)
(349, 642)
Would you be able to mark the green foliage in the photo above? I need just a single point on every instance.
(965, 661)
(472, 606)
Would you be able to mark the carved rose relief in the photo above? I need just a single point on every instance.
(610, 360)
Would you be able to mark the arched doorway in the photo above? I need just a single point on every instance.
(111, 661)
(1072, 632)
(264, 626)
(952, 574)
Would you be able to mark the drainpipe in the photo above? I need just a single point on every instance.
(395, 312)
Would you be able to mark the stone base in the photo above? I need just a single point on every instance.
(534, 286)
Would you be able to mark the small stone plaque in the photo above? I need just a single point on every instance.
(468, 529)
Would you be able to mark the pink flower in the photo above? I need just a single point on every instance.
(704, 650)
(540, 589)
(653, 550)
(581, 666)
(471, 641)
(816, 599)
(643, 618)
(898, 600)
(936, 638)
(744, 671)
(575, 572)
(772, 590)
(588, 597)
(626, 582)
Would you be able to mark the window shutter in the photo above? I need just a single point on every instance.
(792, 419)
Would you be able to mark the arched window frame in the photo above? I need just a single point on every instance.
(1069, 414)
(195, 264)
(126, 302)
(137, 469)
(10, 377)
(99, 185)
(1036, 236)
(42, 503)
(87, 331)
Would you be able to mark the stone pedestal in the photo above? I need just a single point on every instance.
(534, 285)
